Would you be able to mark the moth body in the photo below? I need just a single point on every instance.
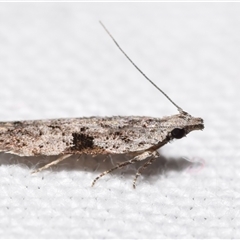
(139, 137)
(94, 135)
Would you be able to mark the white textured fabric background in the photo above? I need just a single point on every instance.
(56, 61)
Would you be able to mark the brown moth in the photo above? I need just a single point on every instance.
(138, 137)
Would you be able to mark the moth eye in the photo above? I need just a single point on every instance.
(178, 133)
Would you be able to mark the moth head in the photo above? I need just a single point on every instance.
(184, 123)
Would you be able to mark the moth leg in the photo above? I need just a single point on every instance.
(144, 166)
(60, 159)
(138, 158)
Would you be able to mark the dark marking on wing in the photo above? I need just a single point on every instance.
(82, 141)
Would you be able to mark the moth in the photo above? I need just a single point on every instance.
(135, 136)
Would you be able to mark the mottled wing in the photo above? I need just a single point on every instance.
(93, 135)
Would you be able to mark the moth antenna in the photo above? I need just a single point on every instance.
(179, 109)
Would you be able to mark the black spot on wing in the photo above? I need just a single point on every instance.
(81, 141)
